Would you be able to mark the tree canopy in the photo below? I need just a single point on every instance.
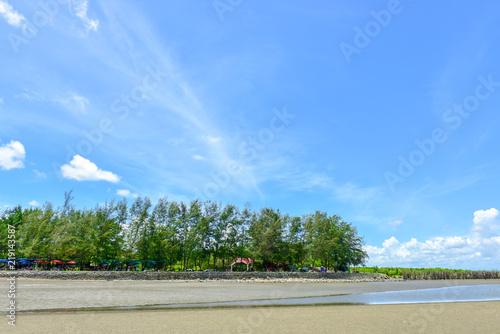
(197, 235)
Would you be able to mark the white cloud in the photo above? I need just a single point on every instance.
(454, 242)
(80, 7)
(126, 193)
(34, 203)
(213, 140)
(298, 180)
(10, 15)
(30, 95)
(391, 243)
(395, 222)
(175, 141)
(479, 250)
(40, 174)
(485, 222)
(1, 100)
(80, 101)
(82, 169)
(355, 193)
(74, 101)
(198, 157)
(12, 155)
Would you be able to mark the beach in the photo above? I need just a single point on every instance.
(53, 306)
(475, 317)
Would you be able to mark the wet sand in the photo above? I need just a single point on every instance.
(33, 295)
(477, 317)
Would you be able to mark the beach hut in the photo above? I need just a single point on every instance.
(241, 261)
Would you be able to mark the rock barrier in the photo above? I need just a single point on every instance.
(193, 276)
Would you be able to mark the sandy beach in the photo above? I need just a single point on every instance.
(475, 317)
(36, 297)
(36, 294)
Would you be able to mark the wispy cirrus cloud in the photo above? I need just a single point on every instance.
(213, 139)
(182, 107)
(80, 8)
(30, 95)
(395, 222)
(74, 101)
(39, 174)
(356, 193)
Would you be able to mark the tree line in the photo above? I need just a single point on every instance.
(172, 234)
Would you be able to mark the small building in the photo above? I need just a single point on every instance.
(241, 261)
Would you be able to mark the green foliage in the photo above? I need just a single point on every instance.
(333, 242)
(428, 273)
(177, 236)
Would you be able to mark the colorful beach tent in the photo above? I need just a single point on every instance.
(241, 261)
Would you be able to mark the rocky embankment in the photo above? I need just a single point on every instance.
(197, 276)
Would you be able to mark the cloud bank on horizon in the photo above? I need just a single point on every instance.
(479, 248)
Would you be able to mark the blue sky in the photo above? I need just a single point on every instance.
(384, 112)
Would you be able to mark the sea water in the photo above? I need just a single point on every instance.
(436, 295)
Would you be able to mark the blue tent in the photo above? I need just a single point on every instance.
(24, 260)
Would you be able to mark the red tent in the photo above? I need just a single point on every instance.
(40, 261)
(56, 262)
(71, 262)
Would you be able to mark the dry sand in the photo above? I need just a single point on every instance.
(477, 317)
